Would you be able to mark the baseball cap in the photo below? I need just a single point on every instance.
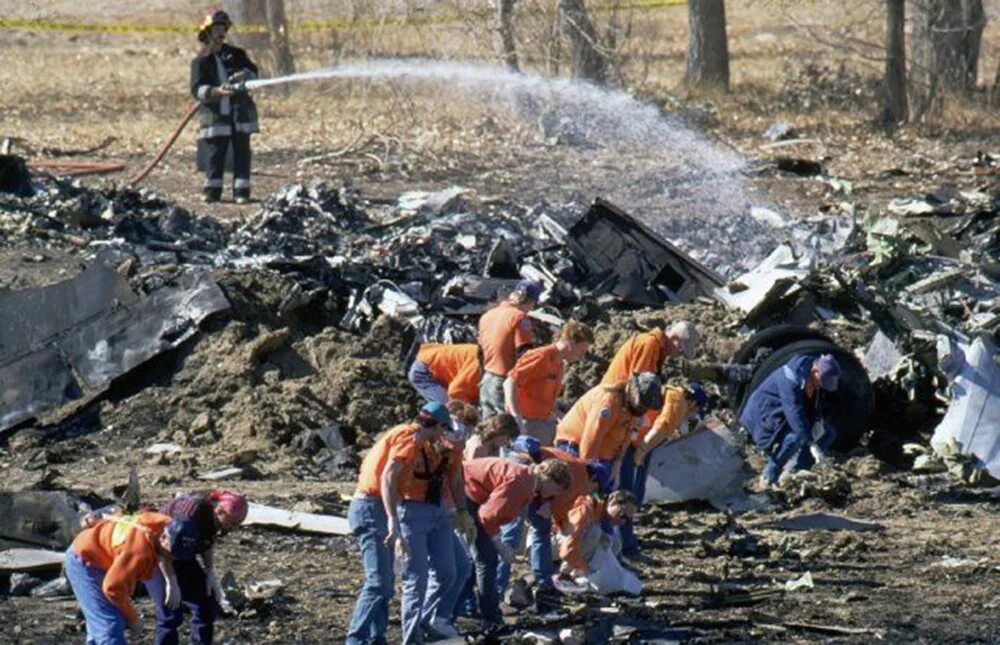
(183, 536)
(437, 411)
(601, 473)
(687, 336)
(530, 288)
(650, 390)
(529, 446)
(829, 372)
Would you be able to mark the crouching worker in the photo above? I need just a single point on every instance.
(585, 478)
(498, 491)
(214, 514)
(107, 560)
(589, 551)
(782, 412)
(446, 372)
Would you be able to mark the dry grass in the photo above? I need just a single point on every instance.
(785, 62)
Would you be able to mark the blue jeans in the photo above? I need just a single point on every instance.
(448, 597)
(486, 557)
(423, 381)
(194, 596)
(427, 534)
(367, 520)
(784, 445)
(539, 547)
(105, 623)
(633, 478)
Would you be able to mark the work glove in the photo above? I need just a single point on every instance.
(172, 592)
(818, 454)
(238, 77)
(505, 552)
(465, 526)
(212, 586)
(135, 631)
(394, 538)
(639, 455)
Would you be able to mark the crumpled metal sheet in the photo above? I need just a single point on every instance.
(625, 258)
(707, 464)
(89, 330)
(972, 422)
(43, 518)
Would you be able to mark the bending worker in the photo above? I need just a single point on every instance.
(783, 411)
(445, 372)
(498, 491)
(505, 333)
(679, 405)
(108, 559)
(227, 115)
(214, 514)
(598, 425)
(533, 386)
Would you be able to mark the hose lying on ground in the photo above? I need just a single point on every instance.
(192, 108)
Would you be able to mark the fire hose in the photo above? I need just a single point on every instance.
(192, 108)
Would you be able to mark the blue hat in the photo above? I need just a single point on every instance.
(600, 472)
(529, 446)
(829, 372)
(530, 288)
(437, 411)
(183, 536)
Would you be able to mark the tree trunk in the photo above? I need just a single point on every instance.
(251, 15)
(505, 28)
(708, 52)
(895, 108)
(947, 38)
(585, 55)
(277, 29)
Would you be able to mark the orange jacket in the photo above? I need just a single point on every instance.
(676, 410)
(454, 366)
(599, 423)
(502, 330)
(641, 353)
(125, 549)
(538, 375)
(587, 511)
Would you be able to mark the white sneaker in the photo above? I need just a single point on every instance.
(442, 628)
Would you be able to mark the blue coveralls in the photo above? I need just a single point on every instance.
(780, 417)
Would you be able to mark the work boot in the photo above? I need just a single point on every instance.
(441, 628)
(241, 196)
(211, 195)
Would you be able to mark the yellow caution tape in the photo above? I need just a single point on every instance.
(19, 24)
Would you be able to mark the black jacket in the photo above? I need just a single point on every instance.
(220, 117)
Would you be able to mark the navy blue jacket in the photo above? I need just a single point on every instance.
(778, 413)
(220, 117)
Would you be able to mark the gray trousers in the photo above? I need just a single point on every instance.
(542, 429)
(491, 395)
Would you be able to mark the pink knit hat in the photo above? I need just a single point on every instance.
(234, 504)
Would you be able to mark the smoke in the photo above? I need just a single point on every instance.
(680, 183)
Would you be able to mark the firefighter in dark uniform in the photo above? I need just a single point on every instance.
(227, 115)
